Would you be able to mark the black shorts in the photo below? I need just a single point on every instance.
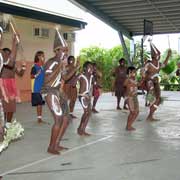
(36, 99)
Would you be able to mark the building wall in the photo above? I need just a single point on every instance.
(31, 44)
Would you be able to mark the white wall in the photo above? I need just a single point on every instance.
(30, 43)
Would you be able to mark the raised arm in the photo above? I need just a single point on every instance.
(67, 76)
(9, 62)
(14, 47)
(167, 57)
(155, 53)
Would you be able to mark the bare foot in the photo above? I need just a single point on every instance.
(125, 108)
(79, 132)
(94, 110)
(40, 121)
(86, 134)
(155, 119)
(152, 119)
(130, 129)
(118, 108)
(148, 118)
(72, 116)
(60, 148)
(53, 151)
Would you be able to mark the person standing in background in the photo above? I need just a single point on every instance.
(69, 86)
(120, 74)
(97, 75)
(37, 80)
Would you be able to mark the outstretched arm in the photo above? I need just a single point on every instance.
(155, 52)
(67, 76)
(14, 47)
(10, 61)
(167, 57)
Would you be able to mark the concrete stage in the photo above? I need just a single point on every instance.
(152, 152)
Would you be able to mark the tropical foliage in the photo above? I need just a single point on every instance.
(107, 60)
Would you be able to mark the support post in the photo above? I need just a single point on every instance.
(142, 52)
(126, 53)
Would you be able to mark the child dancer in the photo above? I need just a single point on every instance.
(85, 80)
(131, 86)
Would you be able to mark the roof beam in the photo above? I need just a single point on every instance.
(164, 15)
(147, 16)
(149, 13)
(115, 2)
(131, 2)
(158, 31)
(145, 8)
(130, 14)
(142, 4)
(96, 12)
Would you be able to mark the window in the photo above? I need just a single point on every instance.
(36, 32)
(69, 36)
(41, 32)
(45, 32)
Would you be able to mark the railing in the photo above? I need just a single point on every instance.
(170, 87)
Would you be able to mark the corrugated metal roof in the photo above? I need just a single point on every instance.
(129, 15)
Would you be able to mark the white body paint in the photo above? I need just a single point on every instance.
(88, 84)
(1, 62)
(57, 81)
(87, 91)
(55, 107)
(82, 102)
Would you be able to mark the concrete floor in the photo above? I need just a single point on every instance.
(152, 152)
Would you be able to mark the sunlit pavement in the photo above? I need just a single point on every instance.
(152, 152)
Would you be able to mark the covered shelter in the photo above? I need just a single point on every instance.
(127, 16)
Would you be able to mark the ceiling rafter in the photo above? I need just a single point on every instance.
(130, 14)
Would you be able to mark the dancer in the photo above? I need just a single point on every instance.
(131, 86)
(143, 82)
(54, 95)
(85, 80)
(152, 81)
(69, 86)
(178, 70)
(8, 60)
(97, 75)
(9, 93)
(37, 80)
(120, 77)
(2, 122)
(8, 72)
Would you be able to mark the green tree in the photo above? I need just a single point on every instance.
(105, 59)
(168, 73)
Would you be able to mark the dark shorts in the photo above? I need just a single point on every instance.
(36, 99)
(96, 91)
